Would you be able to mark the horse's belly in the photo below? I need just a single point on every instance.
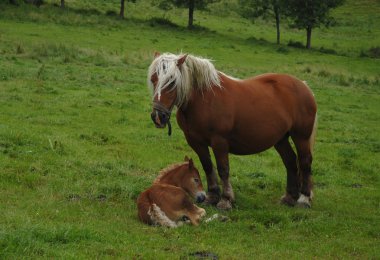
(240, 148)
(251, 142)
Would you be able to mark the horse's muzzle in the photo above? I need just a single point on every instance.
(159, 118)
(200, 197)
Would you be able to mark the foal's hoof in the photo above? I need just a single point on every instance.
(304, 201)
(224, 204)
(202, 212)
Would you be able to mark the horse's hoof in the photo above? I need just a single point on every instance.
(304, 201)
(288, 200)
(224, 204)
(211, 199)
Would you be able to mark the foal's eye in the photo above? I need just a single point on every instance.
(196, 180)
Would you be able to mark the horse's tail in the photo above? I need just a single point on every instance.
(313, 134)
(314, 131)
(159, 217)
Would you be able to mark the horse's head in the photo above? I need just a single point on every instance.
(191, 181)
(164, 77)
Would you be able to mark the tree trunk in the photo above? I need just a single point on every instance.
(62, 4)
(277, 14)
(122, 4)
(12, 2)
(308, 37)
(191, 13)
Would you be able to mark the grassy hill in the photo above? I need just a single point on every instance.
(77, 144)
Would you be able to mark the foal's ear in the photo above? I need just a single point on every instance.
(181, 60)
(191, 164)
(156, 54)
(186, 158)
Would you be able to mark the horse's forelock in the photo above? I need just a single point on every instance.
(167, 72)
(194, 71)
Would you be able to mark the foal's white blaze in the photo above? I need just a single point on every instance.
(159, 217)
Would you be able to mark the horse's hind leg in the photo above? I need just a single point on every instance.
(289, 159)
(303, 147)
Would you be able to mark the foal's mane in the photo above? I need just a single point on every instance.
(167, 170)
(195, 73)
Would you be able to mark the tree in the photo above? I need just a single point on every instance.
(37, 3)
(62, 4)
(122, 7)
(309, 14)
(190, 4)
(263, 8)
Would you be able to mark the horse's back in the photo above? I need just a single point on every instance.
(282, 92)
(289, 96)
(281, 86)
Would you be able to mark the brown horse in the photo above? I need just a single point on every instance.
(237, 116)
(167, 202)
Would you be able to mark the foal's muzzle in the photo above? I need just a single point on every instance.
(200, 197)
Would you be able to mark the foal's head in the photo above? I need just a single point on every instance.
(186, 176)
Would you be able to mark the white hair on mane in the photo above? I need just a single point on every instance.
(195, 73)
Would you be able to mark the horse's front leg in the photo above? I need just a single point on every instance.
(213, 194)
(220, 148)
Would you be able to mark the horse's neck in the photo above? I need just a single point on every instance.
(198, 96)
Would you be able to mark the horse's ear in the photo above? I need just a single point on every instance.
(186, 158)
(156, 54)
(181, 60)
(191, 164)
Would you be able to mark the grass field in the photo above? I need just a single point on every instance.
(77, 145)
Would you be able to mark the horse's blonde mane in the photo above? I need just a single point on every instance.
(195, 73)
(166, 170)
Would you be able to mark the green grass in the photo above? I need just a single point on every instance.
(77, 144)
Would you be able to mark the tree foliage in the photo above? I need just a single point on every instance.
(252, 9)
(309, 14)
(190, 4)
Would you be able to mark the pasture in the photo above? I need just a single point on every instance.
(77, 145)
